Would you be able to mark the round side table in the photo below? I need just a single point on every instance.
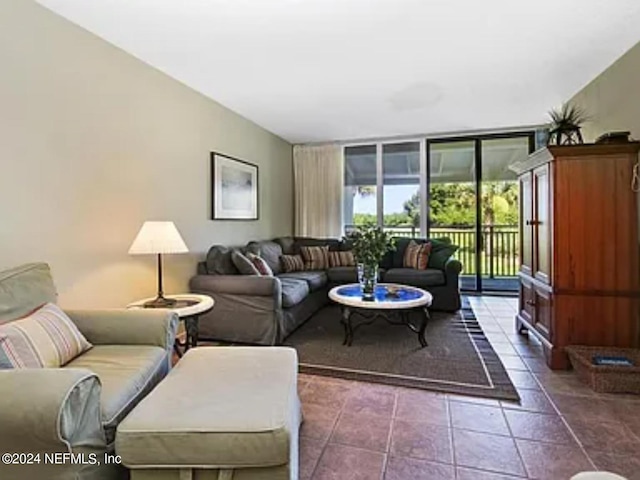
(188, 307)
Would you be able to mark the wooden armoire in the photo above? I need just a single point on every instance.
(579, 274)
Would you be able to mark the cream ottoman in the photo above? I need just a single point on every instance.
(222, 413)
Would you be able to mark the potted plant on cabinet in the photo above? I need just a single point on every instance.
(369, 245)
(565, 125)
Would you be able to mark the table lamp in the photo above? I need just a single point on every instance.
(158, 238)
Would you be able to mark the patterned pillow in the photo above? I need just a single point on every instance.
(243, 264)
(261, 265)
(342, 259)
(46, 338)
(291, 263)
(315, 258)
(417, 256)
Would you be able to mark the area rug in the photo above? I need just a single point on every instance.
(458, 359)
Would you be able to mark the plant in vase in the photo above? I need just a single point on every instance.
(565, 125)
(369, 245)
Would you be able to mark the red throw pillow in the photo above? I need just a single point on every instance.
(261, 265)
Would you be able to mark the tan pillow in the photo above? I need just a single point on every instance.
(46, 338)
(417, 256)
(291, 263)
(315, 258)
(342, 259)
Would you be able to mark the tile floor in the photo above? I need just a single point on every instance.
(364, 431)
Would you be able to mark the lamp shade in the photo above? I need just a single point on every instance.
(158, 237)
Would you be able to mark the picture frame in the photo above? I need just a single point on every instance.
(234, 188)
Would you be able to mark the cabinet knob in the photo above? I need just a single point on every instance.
(531, 303)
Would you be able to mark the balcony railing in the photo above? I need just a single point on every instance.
(499, 247)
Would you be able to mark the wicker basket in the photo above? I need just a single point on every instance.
(606, 378)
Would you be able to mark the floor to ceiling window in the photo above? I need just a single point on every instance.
(401, 188)
(360, 186)
(460, 188)
(452, 202)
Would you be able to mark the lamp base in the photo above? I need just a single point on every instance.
(160, 302)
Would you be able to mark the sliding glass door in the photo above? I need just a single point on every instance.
(452, 205)
(456, 188)
(473, 201)
(500, 212)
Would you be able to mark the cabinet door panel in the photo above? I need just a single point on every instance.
(542, 223)
(543, 317)
(527, 301)
(526, 229)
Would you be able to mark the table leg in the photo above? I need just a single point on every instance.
(191, 325)
(423, 327)
(348, 328)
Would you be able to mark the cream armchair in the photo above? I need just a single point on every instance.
(75, 409)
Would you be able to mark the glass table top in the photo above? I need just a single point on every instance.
(383, 293)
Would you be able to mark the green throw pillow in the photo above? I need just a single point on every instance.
(441, 251)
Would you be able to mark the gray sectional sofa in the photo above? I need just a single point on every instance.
(265, 310)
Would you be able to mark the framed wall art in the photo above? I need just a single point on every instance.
(234, 188)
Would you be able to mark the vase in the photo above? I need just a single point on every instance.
(369, 281)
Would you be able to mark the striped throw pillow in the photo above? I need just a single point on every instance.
(261, 265)
(291, 263)
(417, 255)
(46, 338)
(342, 259)
(315, 258)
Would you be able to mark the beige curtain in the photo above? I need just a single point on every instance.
(317, 173)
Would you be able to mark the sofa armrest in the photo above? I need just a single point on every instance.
(452, 268)
(49, 410)
(127, 327)
(249, 285)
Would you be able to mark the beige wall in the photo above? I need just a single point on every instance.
(93, 142)
(612, 99)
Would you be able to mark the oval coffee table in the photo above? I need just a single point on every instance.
(389, 299)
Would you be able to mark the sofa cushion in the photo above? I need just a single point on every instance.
(315, 279)
(430, 277)
(246, 414)
(23, 289)
(219, 261)
(127, 373)
(269, 251)
(342, 275)
(243, 264)
(333, 243)
(441, 250)
(287, 244)
(294, 291)
(315, 258)
(47, 338)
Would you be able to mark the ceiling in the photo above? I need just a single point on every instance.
(319, 70)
